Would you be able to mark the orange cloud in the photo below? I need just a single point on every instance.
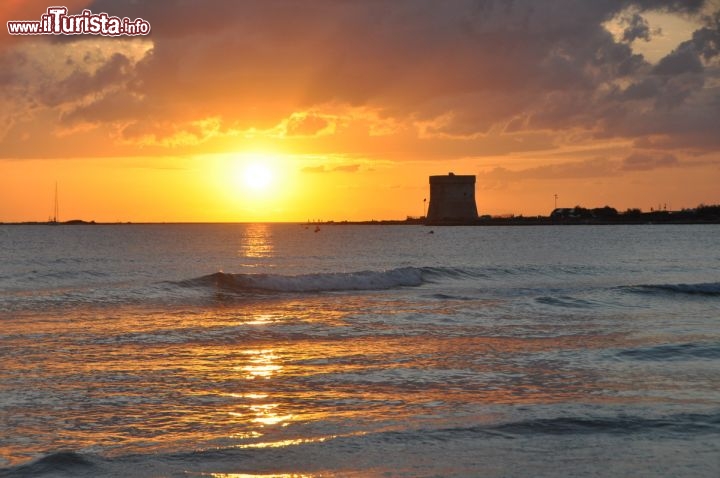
(451, 80)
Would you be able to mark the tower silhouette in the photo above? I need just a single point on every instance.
(452, 199)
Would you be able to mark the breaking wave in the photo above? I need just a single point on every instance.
(317, 282)
(335, 281)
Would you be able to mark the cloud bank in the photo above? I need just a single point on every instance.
(459, 72)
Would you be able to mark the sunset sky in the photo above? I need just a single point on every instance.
(285, 110)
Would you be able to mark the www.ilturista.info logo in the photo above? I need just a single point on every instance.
(57, 22)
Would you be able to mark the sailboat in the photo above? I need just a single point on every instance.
(56, 210)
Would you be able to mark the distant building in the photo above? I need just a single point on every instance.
(563, 213)
(452, 199)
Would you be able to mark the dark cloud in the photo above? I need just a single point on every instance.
(117, 106)
(707, 39)
(646, 161)
(639, 160)
(114, 72)
(636, 28)
(646, 88)
(684, 59)
(684, 114)
(591, 168)
(683, 6)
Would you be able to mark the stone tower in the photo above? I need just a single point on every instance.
(452, 200)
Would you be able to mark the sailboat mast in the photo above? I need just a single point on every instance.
(56, 212)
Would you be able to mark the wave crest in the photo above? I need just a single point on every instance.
(317, 282)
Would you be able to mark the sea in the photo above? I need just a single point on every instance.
(290, 350)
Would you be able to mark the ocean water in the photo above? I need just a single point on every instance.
(271, 350)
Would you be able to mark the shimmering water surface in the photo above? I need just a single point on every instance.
(273, 350)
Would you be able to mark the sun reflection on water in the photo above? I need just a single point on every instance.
(245, 475)
(263, 409)
(213, 380)
(265, 414)
(283, 443)
(262, 319)
(248, 395)
(261, 364)
(256, 242)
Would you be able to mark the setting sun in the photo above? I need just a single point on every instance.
(257, 176)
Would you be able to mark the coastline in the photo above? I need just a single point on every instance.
(560, 217)
(516, 221)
